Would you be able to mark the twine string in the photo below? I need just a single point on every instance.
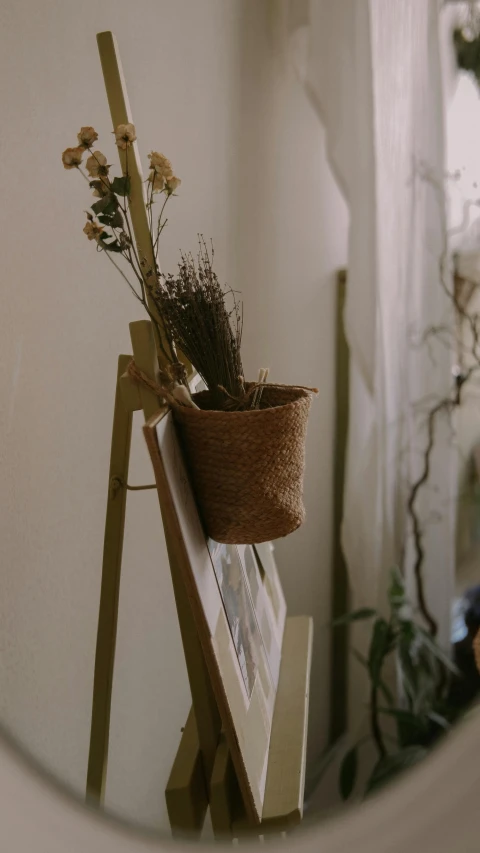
(141, 378)
(252, 395)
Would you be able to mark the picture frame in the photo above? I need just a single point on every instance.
(239, 612)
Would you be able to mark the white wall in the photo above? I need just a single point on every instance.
(291, 237)
(205, 89)
(64, 320)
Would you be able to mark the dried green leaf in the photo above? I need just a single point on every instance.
(107, 205)
(114, 246)
(121, 186)
(114, 220)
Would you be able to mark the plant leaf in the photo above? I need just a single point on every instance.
(348, 773)
(391, 765)
(112, 205)
(408, 671)
(381, 684)
(114, 246)
(396, 590)
(100, 205)
(379, 647)
(114, 220)
(437, 652)
(386, 691)
(108, 204)
(121, 186)
(411, 728)
(439, 720)
(356, 616)
(403, 715)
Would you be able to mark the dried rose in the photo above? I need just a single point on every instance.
(161, 164)
(172, 184)
(87, 136)
(93, 230)
(158, 182)
(125, 134)
(72, 157)
(100, 188)
(97, 165)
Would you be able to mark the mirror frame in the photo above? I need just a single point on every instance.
(432, 809)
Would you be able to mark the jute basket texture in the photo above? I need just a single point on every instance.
(247, 467)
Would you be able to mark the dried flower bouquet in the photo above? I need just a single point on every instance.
(192, 304)
(244, 442)
(108, 219)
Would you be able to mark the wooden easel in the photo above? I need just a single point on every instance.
(202, 774)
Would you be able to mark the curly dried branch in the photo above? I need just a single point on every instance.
(443, 406)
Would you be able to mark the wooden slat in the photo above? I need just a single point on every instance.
(143, 346)
(110, 586)
(121, 114)
(130, 394)
(205, 706)
(147, 356)
(226, 804)
(186, 793)
(340, 586)
(288, 743)
(284, 792)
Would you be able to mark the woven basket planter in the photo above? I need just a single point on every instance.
(247, 467)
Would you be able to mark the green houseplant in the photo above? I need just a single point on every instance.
(425, 672)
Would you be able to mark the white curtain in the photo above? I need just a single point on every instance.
(373, 71)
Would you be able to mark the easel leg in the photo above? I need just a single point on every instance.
(206, 711)
(208, 724)
(186, 792)
(339, 655)
(207, 716)
(107, 618)
(225, 797)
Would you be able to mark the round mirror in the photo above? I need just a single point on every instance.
(225, 223)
